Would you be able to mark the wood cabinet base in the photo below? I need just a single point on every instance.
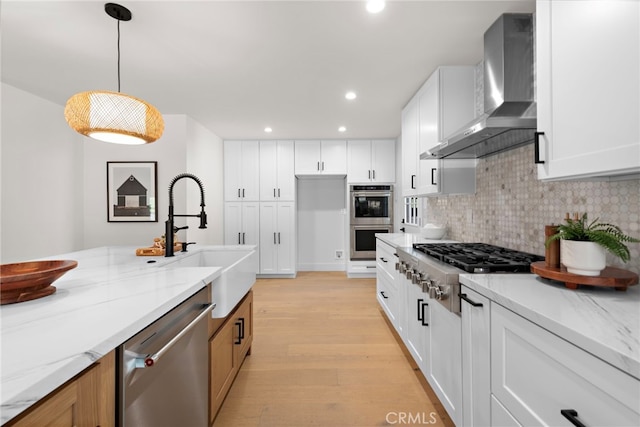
(228, 346)
(86, 400)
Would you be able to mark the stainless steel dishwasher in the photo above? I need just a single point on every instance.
(163, 369)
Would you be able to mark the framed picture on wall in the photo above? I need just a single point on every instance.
(132, 191)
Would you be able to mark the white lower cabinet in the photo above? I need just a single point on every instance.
(444, 360)
(476, 358)
(537, 376)
(278, 238)
(500, 417)
(386, 281)
(241, 223)
(416, 336)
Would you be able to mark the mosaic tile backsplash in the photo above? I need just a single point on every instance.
(511, 207)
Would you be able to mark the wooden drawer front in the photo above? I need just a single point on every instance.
(386, 261)
(535, 374)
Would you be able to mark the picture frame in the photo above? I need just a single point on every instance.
(132, 191)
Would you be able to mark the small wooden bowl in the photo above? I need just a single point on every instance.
(24, 281)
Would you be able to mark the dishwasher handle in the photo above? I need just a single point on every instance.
(149, 361)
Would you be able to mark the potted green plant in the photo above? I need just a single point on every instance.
(583, 244)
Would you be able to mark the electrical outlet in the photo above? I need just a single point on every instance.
(339, 254)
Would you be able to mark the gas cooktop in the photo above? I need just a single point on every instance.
(479, 257)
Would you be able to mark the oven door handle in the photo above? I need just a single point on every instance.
(384, 193)
(149, 361)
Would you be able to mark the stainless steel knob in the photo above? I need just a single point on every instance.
(424, 284)
(415, 278)
(409, 273)
(432, 290)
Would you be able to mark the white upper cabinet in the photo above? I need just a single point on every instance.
(277, 180)
(409, 148)
(588, 88)
(371, 161)
(321, 157)
(241, 170)
(444, 104)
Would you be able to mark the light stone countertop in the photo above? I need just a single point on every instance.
(406, 240)
(108, 298)
(601, 321)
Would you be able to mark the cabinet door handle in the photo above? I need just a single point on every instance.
(433, 179)
(369, 173)
(383, 295)
(238, 238)
(374, 174)
(274, 238)
(243, 193)
(420, 312)
(424, 316)
(278, 193)
(322, 165)
(413, 182)
(243, 238)
(238, 193)
(318, 165)
(241, 328)
(536, 148)
(572, 416)
(383, 260)
(403, 229)
(274, 193)
(239, 325)
(470, 301)
(278, 237)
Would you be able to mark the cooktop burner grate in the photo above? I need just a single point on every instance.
(479, 257)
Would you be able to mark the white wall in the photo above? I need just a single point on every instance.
(205, 160)
(170, 153)
(322, 224)
(54, 182)
(41, 178)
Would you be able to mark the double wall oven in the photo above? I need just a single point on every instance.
(371, 209)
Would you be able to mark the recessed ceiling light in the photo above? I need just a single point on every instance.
(342, 129)
(350, 95)
(268, 129)
(375, 6)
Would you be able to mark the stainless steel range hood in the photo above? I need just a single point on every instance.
(509, 120)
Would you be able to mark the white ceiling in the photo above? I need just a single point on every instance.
(238, 66)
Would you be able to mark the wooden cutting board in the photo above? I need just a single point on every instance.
(611, 277)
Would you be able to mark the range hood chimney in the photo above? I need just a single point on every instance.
(509, 120)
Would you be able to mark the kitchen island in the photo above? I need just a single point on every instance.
(108, 298)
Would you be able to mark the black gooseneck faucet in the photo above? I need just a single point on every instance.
(169, 227)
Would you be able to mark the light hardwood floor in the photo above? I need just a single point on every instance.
(323, 355)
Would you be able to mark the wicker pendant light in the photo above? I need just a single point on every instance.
(113, 116)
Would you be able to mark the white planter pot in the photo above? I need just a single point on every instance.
(584, 258)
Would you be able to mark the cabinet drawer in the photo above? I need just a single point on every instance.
(535, 374)
(388, 299)
(386, 261)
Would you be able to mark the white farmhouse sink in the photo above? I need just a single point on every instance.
(239, 266)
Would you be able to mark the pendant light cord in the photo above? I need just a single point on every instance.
(118, 54)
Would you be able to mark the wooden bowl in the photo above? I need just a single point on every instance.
(25, 281)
